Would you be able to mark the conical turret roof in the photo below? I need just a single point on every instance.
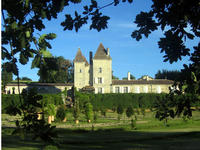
(101, 53)
(80, 58)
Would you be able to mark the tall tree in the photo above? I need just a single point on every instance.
(24, 79)
(179, 20)
(65, 70)
(168, 74)
(55, 70)
(174, 18)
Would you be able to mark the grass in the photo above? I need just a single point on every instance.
(109, 133)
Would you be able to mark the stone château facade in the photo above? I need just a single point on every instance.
(97, 75)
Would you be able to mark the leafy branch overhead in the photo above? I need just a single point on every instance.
(22, 24)
(179, 20)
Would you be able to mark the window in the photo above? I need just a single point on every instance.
(158, 89)
(100, 70)
(99, 90)
(117, 90)
(99, 80)
(137, 89)
(80, 70)
(145, 88)
(125, 89)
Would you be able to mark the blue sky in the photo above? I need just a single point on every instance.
(140, 58)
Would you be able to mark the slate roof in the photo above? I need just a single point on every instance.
(128, 82)
(101, 53)
(39, 84)
(80, 58)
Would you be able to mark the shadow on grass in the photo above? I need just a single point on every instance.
(117, 138)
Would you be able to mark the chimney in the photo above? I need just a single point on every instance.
(90, 57)
(129, 76)
(108, 52)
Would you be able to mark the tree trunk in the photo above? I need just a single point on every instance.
(39, 116)
(65, 119)
(52, 118)
(49, 119)
(76, 121)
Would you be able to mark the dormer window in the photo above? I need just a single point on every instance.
(100, 70)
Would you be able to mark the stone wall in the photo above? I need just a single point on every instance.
(102, 69)
(81, 75)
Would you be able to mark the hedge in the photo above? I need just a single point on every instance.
(111, 101)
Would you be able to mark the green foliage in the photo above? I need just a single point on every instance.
(83, 99)
(51, 109)
(76, 110)
(50, 147)
(54, 99)
(23, 79)
(20, 27)
(103, 111)
(133, 124)
(89, 111)
(95, 116)
(120, 110)
(26, 79)
(10, 104)
(54, 69)
(164, 109)
(183, 104)
(29, 106)
(162, 15)
(174, 75)
(173, 45)
(6, 76)
(61, 113)
(143, 111)
(110, 101)
(13, 100)
(129, 112)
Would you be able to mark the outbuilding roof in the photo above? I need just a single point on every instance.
(128, 82)
(39, 84)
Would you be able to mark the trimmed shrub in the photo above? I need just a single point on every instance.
(61, 113)
(129, 112)
(89, 112)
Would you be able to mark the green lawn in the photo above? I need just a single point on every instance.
(109, 133)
